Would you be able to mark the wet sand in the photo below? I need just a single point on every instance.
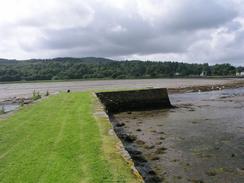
(25, 89)
(199, 141)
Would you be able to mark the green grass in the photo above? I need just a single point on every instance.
(59, 140)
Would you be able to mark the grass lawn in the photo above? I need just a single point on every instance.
(59, 140)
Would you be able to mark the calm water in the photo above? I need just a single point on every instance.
(9, 107)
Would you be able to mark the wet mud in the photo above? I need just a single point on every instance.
(199, 141)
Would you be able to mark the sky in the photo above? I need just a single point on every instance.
(193, 31)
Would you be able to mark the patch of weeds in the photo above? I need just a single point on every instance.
(36, 95)
(22, 102)
(175, 160)
(178, 177)
(211, 173)
(215, 171)
(162, 138)
(202, 151)
(2, 110)
(47, 93)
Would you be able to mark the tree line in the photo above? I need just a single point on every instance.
(101, 68)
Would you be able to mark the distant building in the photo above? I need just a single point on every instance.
(177, 74)
(240, 73)
(204, 73)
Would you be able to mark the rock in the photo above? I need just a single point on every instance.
(140, 142)
(196, 181)
(120, 124)
(153, 179)
(155, 158)
(151, 172)
(211, 173)
(149, 147)
(138, 158)
(133, 151)
(158, 143)
(130, 138)
(161, 150)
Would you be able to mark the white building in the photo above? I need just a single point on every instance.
(240, 73)
(204, 73)
(177, 74)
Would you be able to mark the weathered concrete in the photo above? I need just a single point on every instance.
(134, 100)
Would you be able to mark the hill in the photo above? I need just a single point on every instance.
(103, 68)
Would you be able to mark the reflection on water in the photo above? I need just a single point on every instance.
(8, 107)
(202, 140)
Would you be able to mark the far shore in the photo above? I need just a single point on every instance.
(104, 79)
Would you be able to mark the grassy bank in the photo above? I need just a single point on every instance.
(59, 140)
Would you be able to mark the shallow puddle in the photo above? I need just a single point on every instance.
(201, 140)
(8, 107)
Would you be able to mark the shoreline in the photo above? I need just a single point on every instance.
(106, 79)
(206, 88)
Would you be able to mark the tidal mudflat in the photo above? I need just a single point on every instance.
(200, 140)
(10, 90)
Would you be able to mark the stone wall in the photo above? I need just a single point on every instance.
(134, 100)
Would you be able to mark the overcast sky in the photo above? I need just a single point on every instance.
(181, 30)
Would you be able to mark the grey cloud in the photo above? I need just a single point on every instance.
(186, 28)
(201, 14)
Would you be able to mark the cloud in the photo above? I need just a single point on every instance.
(191, 30)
